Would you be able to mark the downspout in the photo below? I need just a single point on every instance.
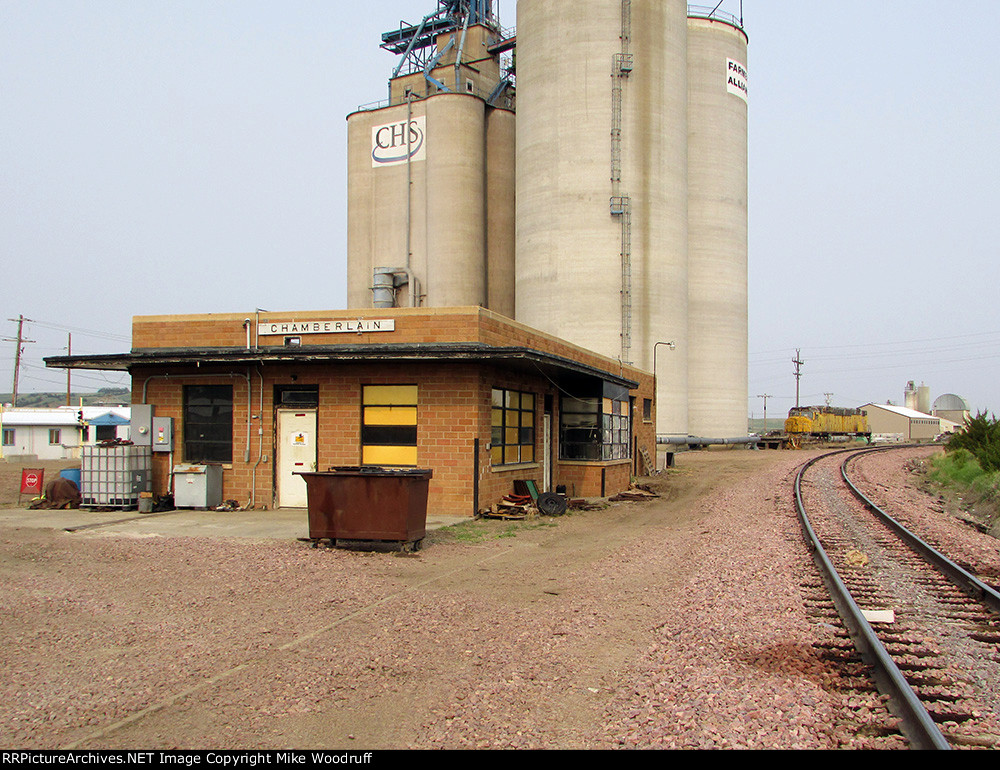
(260, 442)
(409, 190)
(410, 277)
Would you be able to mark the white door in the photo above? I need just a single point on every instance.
(296, 454)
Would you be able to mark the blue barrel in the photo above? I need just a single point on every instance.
(73, 474)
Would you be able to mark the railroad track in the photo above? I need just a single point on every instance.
(929, 630)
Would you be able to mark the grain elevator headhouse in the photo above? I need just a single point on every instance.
(431, 169)
(611, 212)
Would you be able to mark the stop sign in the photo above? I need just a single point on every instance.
(31, 481)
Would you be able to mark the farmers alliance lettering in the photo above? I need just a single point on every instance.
(736, 79)
(327, 327)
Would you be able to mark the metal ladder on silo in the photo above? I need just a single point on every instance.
(621, 204)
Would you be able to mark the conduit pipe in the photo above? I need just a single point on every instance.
(705, 441)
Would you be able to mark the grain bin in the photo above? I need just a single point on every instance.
(601, 182)
(717, 226)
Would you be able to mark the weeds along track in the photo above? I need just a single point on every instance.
(929, 630)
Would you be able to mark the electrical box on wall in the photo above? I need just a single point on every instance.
(141, 431)
(163, 434)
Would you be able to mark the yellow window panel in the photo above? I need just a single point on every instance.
(381, 395)
(389, 455)
(496, 455)
(390, 415)
(497, 418)
(527, 453)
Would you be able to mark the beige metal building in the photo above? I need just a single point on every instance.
(899, 421)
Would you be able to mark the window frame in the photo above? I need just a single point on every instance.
(389, 435)
(12, 440)
(512, 444)
(596, 427)
(55, 436)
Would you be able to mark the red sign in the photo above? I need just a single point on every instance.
(31, 481)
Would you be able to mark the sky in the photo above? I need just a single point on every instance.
(190, 157)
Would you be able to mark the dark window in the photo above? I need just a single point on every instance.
(647, 409)
(106, 433)
(297, 396)
(55, 436)
(208, 423)
(595, 427)
(8, 437)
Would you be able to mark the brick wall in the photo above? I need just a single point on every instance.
(453, 412)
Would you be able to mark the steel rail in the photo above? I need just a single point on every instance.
(918, 726)
(966, 582)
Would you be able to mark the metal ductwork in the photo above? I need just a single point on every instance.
(385, 282)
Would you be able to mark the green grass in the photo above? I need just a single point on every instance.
(959, 469)
(959, 475)
(480, 530)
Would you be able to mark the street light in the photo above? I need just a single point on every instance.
(673, 346)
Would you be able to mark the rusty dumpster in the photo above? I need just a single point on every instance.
(358, 504)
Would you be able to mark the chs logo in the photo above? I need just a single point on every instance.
(391, 141)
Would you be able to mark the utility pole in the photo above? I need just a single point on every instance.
(69, 352)
(765, 396)
(20, 349)
(828, 397)
(798, 373)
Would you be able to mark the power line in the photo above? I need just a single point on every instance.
(84, 332)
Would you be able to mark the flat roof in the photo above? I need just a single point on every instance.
(522, 357)
(902, 410)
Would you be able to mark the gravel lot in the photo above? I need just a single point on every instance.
(676, 623)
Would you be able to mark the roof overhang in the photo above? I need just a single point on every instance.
(548, 364)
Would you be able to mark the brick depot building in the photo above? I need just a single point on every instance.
(473, 396)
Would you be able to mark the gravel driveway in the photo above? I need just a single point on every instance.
(676, 623)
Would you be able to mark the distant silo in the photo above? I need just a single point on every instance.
(601, 189)
(924, 399)
(717, 226)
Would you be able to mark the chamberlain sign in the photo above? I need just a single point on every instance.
(327, 327)
(392, 144)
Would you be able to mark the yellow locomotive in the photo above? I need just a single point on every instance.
(826, 423)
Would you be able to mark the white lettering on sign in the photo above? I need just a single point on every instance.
(392, 143)
(736, 79)
(356, 326)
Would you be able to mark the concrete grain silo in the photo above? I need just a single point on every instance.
(601, 183)
(431, 173)
(717, 226)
